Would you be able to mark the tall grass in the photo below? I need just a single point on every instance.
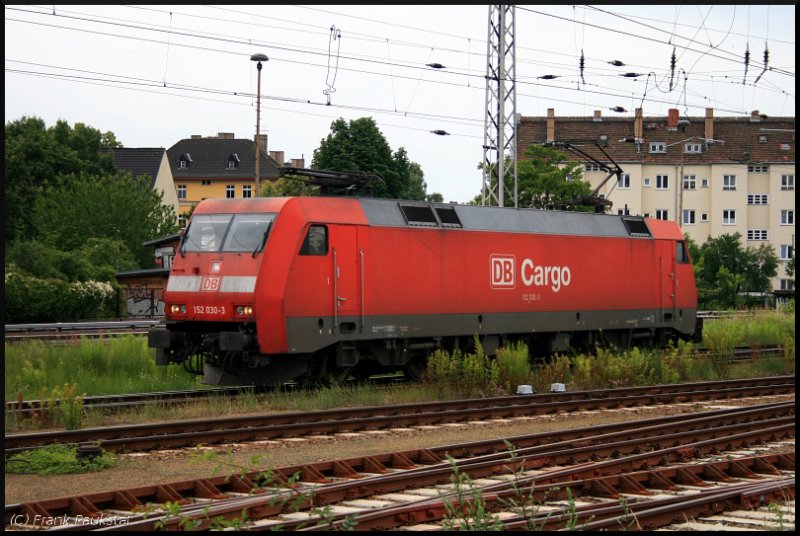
(477, 375)
(95, 367)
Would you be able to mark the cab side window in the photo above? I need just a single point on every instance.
(316, 241)
(681, 254)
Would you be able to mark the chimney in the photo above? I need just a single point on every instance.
(672, 118)
(637, 124)
(197, 137)
(225, 135)
(597, 116)
(262, 143)
(755, 117)
(277, 156)
(551, 124)
(709, 132)
(299, 163)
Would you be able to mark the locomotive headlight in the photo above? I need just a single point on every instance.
(244, 310)
(177, 309)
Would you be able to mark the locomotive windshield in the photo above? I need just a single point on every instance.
(227, 233)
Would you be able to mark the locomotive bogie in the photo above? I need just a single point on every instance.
(340, 286)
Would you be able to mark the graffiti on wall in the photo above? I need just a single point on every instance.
(144, 300)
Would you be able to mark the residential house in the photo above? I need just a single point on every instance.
(219, 166)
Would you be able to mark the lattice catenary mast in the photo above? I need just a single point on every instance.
(500, 140)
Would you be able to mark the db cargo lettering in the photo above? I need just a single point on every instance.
(503, 274)
(541, 276)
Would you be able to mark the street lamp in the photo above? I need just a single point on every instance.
(258, 58)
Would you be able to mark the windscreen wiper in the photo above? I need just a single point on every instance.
(263, 240)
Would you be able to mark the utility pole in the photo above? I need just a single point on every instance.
(500, 126)
(258, 58)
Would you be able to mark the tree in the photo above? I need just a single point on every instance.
(287, 186)
(543, 184)
(726, 269)
(37, 157)
(360, 147)
(68, 216)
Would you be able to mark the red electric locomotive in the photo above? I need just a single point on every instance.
(267, 290)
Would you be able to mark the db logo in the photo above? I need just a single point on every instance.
(502, 267)
(210, 283)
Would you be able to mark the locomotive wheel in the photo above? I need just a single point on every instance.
(323, 372)
(415, 368)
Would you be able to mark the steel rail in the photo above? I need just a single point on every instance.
(236, 429)
(122, 401)
(440, 473)
(428, 466)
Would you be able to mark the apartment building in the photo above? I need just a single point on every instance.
(713, 175)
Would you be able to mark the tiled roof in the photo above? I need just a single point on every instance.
(139, 161)
(208, 158)
(740, 134)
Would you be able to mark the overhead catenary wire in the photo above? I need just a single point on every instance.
(521, 81)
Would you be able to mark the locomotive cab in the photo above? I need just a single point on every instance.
(210, 296)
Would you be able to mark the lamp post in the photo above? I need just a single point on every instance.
(258, 58)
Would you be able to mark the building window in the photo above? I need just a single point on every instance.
(182, 221)
(247, 191)
(183, 164)
(785, 147)
(787, 252)
(762, 139)
(704, 216)
(688, 217)
(757, 234)
(646, 183)
(181, 191)
(689, 182)
(230, 191)
(662, 214)
(624, 181)
(728, 217)
(592, 167)
(693, 148)
(787, 182)
(753, 168)
(658, 147)
(787, 284)
(787, 217)
(662, 182)
(231, 164)
(757, 199)
(729, 182)
(206, 183)
(704, 183)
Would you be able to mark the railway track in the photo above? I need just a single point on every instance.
(632, 475)
(140, 437)
(110, 403)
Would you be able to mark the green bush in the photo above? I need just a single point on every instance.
(468, 374)
(33, 299)
(57, 460)
(514, 367)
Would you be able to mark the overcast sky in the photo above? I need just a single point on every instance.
(154, 75)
